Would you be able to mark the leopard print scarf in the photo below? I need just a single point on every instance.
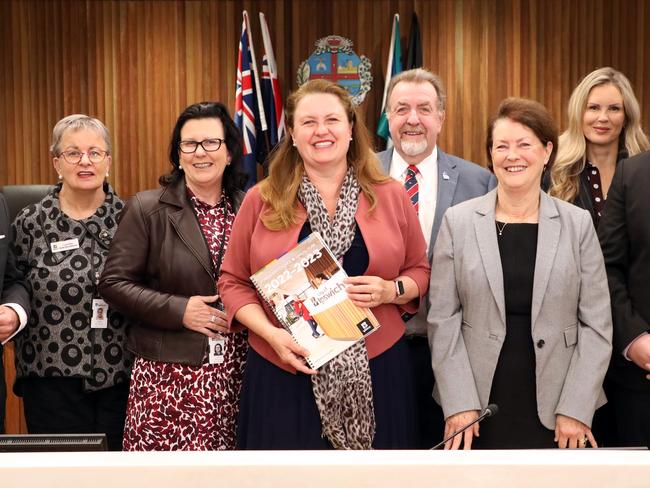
(342, 387)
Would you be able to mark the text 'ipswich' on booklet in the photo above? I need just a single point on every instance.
(305, 290)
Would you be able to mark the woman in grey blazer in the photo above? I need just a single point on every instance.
(520, 312)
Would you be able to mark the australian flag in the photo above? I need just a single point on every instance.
(246, 110)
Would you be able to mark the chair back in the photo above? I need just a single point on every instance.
(19, 196)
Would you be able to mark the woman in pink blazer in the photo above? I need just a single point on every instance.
(325, 177)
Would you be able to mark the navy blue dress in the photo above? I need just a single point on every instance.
(278, 409)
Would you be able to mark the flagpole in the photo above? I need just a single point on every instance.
(273, 75)
(258, 87)
(389, 66)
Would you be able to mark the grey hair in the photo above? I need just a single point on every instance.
(418, 75)
(74, 123)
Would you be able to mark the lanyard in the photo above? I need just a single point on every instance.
(222, 244)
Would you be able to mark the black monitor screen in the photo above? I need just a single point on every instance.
(52, 442)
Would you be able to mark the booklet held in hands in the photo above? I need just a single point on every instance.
(305, 290)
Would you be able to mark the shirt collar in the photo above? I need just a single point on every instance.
(426, 167)
(200, 204)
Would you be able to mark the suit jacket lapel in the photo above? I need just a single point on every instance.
(486, 237)
(385, 159)
(447, 181)
(548, 238)
(186, 224)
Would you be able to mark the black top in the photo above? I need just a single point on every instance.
(517, 426)
(355, 261)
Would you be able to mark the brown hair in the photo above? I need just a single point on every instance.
(280, 189)
(529, 113)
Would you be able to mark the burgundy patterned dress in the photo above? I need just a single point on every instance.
(193, 408)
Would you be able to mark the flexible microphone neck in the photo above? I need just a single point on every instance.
(490, 411)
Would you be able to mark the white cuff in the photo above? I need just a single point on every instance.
(22, 319)
(625, 351)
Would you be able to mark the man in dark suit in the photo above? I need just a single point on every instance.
(435, 181)
(624, 233)
(14, 297)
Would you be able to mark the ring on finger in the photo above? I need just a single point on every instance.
(213, 318)
(583, 442)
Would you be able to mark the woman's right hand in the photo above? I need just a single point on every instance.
(456, 422)
(201, 317)
(288, 350)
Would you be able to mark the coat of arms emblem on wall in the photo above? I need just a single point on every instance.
(335, 60)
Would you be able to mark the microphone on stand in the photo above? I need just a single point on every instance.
(490, 411)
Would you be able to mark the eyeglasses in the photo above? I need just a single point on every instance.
(208, 145)
(95, 156)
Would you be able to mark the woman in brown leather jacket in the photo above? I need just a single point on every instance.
(162, 271)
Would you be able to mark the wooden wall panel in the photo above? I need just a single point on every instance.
(137, 64)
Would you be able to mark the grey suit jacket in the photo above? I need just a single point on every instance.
(571, 322)
(458, 180)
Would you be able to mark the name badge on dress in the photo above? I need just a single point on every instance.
(64, 245)
(217, 348)
(99, 319)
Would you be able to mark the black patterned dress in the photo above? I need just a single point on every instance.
(73, 378)
(58, 340)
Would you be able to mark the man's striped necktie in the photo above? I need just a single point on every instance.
(411, 185)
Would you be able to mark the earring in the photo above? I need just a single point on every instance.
(294, 143)
(350, 137)
(180, 167)
(107, 174)
(60, 176)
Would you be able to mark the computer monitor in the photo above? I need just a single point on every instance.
(53, 442)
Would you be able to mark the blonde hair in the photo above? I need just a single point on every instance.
(571, 158)
(280, 189)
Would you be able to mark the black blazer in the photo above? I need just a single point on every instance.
(624, 233)
(13, 288)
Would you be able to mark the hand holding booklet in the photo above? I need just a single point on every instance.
(305, 290)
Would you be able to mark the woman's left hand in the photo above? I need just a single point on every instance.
(572, 433)
(370, 291)
(201, 317)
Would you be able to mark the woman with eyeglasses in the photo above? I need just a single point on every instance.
(162, 272)
(72, 366)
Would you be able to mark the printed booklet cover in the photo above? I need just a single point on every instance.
(305, 289)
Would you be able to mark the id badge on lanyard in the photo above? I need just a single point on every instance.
(217, 349)
(99, 319)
